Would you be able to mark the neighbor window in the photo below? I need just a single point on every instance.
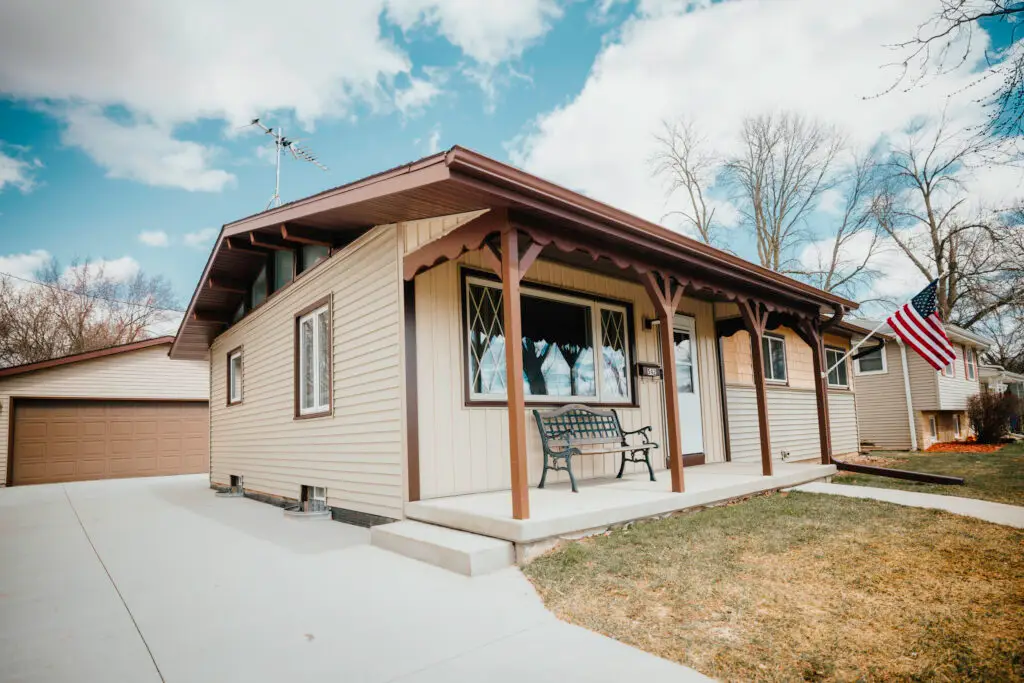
(284, 266)
(235, 376)
(949, 370)
(259, 288)
(314, 380)
(871, 363)
(956, 425)
(574, 348)
(934, 427)
(837, 377)
(971, 359)
(774, 351)
(311, 254)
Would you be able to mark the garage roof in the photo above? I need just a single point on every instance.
(87, 355)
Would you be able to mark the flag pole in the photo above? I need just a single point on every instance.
(849, 353)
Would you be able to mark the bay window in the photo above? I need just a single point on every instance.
(313, 383)
(575, 348)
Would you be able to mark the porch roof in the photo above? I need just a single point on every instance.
(456, 181)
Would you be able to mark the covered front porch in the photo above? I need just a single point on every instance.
(555, 512)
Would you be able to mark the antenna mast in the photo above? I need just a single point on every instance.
(280, 143)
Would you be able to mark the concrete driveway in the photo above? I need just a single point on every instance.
(158, 579)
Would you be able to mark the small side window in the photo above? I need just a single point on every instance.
(235, 377)
(956, 426)
(774, 350)
(934, 427)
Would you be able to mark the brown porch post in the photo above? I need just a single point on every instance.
(510, 277)
(666, 298)
(812, 335)
(755, 318)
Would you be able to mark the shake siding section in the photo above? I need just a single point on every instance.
(792, 409)
(146, 374)
(356, 453)
(882, 403)
(414, 234)
(464, 449)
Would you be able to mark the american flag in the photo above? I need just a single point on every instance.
(919, 326)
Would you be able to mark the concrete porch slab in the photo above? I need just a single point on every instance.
(556, 512)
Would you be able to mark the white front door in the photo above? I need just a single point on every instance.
(687, 384)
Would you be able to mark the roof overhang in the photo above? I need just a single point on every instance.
(460, 181)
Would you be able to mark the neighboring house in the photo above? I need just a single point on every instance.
(996, 378)
(357, 339)
(124, 411)
(903, 403)
(788, 368)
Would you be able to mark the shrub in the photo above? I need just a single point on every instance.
(990, 415)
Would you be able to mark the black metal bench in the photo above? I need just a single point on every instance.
(564, 431)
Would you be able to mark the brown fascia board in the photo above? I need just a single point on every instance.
(470, 162)
(195, 293)
(87, 355)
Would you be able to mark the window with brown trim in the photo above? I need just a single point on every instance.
(576, 348)
(313, 388)
(235, 376)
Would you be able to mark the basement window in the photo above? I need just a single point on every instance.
(956, 426)
(314, 499)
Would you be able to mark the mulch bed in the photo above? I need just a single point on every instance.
(963, 447)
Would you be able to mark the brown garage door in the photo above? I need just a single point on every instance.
(67, 440)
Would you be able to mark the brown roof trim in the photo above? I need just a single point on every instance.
(88, 355)
(473, 163)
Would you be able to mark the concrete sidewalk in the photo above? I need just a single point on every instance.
(998, 513)
(202, 588)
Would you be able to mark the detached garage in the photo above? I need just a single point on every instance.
(124, 411)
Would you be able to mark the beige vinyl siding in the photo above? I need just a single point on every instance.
(146, 373)
(465, 449)
(842, 417)
(882, 404)
(356, 453)
(954, 391)
(792, 424)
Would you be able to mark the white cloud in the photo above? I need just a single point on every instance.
(15, 171)
(118, 270)
(434, 141)
(488, 32)
(413, 100)
(201, 239)
(145, 152)
(154, 238)
(719, 63)
(25, 265)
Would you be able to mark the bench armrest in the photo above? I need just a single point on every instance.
(644, 432)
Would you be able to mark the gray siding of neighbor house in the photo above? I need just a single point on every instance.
(924, 386)
(954, 391)
(357, 451)
(882, 404)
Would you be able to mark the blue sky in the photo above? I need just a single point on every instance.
(127, 127)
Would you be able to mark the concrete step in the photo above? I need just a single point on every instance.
(457, 551)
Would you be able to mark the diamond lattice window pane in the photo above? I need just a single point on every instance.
(486, 341)
(615, 368)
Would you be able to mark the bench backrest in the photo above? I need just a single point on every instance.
(579, 424)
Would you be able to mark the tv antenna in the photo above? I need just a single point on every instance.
(282, 143)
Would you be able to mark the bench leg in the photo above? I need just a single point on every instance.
(544, 474)
(622, 467)
(568, 468)
(647, 459)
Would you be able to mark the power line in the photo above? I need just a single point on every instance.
(92, 296)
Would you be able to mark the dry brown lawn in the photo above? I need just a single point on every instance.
(799, 586)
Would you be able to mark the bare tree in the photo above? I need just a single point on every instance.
(922, 209)
(1006, 329)
(78, 309)
(785, 165)
(944, 43)
(690, 166)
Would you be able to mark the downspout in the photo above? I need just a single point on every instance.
(906, 390)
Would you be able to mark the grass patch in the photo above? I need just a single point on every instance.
(801, 586)
(995, 476)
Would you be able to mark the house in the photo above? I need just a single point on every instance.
(998, 379)
(123, 411)
(904, 403)
(361, 341)
(790, 389)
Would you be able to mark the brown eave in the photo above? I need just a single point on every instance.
(87, 355)
(451, 182)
